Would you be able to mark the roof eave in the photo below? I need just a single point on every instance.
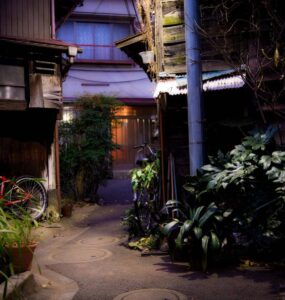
(132, 46)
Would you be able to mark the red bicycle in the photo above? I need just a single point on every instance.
(25, 193)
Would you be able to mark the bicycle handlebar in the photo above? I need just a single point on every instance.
(141, 146)
(151, 153)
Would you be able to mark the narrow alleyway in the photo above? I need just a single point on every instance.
(89, 262)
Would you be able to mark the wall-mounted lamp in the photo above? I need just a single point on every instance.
(72, 52)
(147, 57)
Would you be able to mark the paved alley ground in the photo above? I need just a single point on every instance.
(87, 260)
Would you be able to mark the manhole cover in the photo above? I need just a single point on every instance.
(80, 255)
(99, 241)
(153, 294)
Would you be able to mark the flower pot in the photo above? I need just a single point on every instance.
(21, 257)
(66, 210)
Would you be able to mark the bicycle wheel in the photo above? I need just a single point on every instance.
(32, 195)
(143, 212)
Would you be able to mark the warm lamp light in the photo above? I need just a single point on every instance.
(72, 52)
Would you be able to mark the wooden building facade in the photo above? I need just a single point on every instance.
(238, 74)
(32, 66)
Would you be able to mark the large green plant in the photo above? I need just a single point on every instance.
(236, 202)
(86, 145)
(197, 232)
(249, 181)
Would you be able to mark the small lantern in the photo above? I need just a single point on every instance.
(147, 56)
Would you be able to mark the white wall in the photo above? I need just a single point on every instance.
(119, 83)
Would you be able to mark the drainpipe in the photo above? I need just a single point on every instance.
(57, 162)
(194, 82)
(52, 19)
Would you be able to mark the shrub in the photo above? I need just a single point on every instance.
(86, 145)
(249, 181)
(235, 202)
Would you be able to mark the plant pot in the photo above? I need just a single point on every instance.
(66, 210)
(21, 257)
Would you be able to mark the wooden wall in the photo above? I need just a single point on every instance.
(170, 36)
(25, 142)
(25, 18)
(133, 127)
(174, 140)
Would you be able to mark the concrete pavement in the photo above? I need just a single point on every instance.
(86, 260)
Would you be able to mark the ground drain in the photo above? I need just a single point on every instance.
(80, 255)
(153, 294)
(99, 241)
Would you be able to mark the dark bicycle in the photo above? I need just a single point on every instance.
(146, 187)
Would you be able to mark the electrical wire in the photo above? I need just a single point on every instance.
(98, 5)
(138, 19)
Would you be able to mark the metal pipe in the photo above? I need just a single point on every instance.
(194, 81)
(57, 161)
(52, 19)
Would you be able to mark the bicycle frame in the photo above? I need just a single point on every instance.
(145, 198)
(3, 185)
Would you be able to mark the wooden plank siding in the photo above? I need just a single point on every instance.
(170, 40)
(170, 37)
(133, 127)
(159, 53)
(172, 12)
(25, 150)
(25, 18)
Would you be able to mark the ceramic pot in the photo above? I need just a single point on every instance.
(66, 210)
(21, 257)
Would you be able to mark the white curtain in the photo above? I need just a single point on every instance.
(103, 41)
(120, 31)
(85, 38)
(65, 33)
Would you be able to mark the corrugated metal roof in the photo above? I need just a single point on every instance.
(168, 86)
(178, 85)
(232, 82)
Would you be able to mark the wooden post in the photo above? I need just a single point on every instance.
(162, 147)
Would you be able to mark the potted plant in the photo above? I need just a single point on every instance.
(16, 240)
(66, 207)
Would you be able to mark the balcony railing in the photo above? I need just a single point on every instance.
(102, 53)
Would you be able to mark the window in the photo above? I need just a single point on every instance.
(12, 82)
(96, 39)
(68, 114)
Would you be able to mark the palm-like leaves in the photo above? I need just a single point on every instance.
(198, 230)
